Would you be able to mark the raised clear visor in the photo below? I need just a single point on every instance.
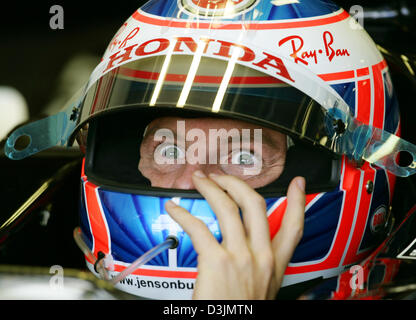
(46, 133)
(267, 93)
(362, 142)
(383, 149)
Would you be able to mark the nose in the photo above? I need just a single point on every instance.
(184, 176)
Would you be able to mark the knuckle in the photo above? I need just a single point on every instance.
(233, 182)
(222, 257)
(266, 261)
(245, 260)
(197, 228)
(230, 206)
(228, 181)
(267, 258)
(200, 225)
(259, 200)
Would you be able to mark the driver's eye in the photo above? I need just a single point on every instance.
(243, 158)
(171, 151)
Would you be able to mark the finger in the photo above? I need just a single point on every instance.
(253, 208)
(291, 230)
(202, 239)
(226, 210)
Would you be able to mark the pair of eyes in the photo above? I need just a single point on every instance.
(238, 157)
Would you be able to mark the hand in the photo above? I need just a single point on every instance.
(247, 264)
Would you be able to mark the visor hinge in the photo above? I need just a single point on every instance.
(74, 114)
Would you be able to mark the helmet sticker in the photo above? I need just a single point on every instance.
(378, 221)
(327, 50)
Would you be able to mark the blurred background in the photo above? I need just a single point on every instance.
(44, 67)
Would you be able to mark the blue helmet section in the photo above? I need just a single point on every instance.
(321, 221)
(137, 223)
(347, 91)
(262, 10)
(392, 116)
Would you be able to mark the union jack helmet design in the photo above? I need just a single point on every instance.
(304, 68)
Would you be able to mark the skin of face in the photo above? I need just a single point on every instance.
(271, 148)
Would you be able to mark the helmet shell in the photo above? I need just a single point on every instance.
(342, 226)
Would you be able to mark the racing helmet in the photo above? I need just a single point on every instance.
(303, 68)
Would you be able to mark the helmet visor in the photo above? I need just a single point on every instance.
(171, 109)
(236, 82)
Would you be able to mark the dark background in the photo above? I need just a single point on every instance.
(32, 55)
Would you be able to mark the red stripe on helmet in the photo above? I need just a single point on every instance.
(361, 216)
(166, 22)
(96, 217)
(103, 92)
(338, 75)
(364, 100)
(149, 75)
(379, 97)
(275, 218)
(363, 72)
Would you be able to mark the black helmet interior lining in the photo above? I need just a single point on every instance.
(113, 154)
